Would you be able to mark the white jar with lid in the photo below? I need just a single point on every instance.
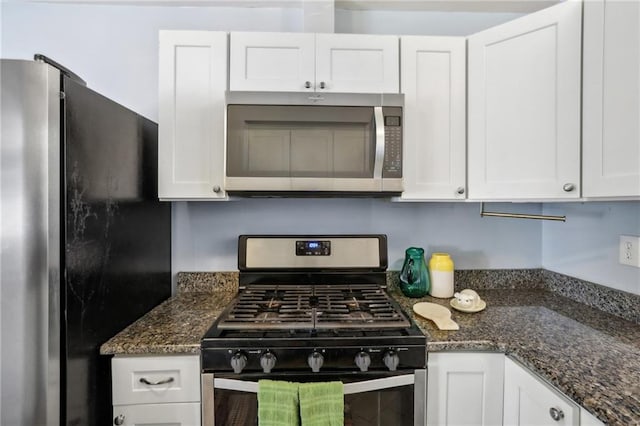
(441, 271)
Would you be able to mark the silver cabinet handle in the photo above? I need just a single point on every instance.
(161, 382)
(307, 85)
(118, 420)
(460, 190)
(217, 189)
(568, 187)
(322, 85)
(556, 414)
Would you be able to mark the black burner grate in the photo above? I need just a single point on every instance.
(313, 307)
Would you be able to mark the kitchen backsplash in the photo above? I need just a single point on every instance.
(618, 303)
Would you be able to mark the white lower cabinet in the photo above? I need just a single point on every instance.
(588, 419)
(480, 388)
(156, 390)
(464, 388)
(530, 401)
(185, 414)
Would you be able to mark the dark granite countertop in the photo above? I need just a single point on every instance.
(175, 326)
(591, 356)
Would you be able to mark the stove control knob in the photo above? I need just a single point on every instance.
(267, 361)
(315, 361)
(363, 361)
(391, 360)
(238, 362)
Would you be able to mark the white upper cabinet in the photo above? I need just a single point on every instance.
(295, 62)
(529, 401)
(282, 62)
(192, 85)
(611, 99)
(356, 63)
(524, 107)
(433, 74)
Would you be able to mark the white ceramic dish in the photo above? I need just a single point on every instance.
(454, 304)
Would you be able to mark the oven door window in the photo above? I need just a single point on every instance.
(381, 402)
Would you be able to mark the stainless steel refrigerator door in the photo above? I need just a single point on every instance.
(30, 249)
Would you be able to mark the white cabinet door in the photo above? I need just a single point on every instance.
(192, 84)
(281, 62)
(356, 63)
(611, 99)
(297, 62)
(433, 71)
(187, 414)
(524, 107)
(588, 419)
(530, 402)
(464, 389)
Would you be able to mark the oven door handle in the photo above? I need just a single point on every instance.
(349, 388)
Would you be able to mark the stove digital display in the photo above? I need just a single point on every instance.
(313, 248)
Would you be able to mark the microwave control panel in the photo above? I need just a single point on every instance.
(392, 165)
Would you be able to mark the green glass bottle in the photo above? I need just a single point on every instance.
(414, 276)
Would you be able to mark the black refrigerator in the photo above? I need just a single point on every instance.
(86, 245)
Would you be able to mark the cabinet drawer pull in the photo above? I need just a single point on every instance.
(119, 420)
(568, 187)
(161, 382)
(307, 84)
(556, 414)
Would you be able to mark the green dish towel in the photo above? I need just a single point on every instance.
(322, 404)
(277, 403)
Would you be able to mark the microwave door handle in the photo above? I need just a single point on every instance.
(380, 142)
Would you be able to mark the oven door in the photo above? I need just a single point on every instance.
(373, 398)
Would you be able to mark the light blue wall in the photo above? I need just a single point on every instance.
(586, 246)
(417, 22)
(206, 233)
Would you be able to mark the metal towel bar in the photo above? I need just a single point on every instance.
(520, 215)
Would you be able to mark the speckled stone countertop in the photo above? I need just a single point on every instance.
(591, 356)
(178, 324)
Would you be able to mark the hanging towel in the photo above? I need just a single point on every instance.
(277, 403)
(322, 404)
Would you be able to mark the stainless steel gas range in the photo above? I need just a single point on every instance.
(315, 308)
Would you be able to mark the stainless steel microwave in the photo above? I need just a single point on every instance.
(314, 148)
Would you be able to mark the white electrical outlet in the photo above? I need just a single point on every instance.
(629, 250)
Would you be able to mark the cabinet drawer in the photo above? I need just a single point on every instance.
(184, 414)
(149, 380)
